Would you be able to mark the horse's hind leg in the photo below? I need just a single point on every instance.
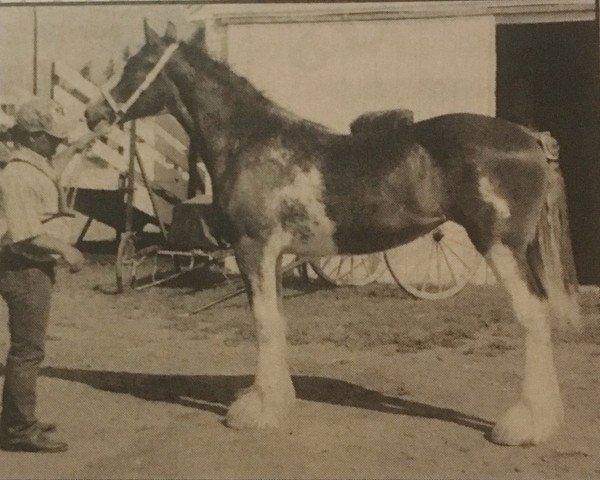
(266, 403)
(539, 410)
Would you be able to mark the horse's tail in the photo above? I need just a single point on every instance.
(550, 255)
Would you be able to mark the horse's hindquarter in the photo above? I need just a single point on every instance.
(496, 175)
(386, 188)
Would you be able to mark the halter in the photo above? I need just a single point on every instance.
(121, 109)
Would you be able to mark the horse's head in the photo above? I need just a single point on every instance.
(143, 89)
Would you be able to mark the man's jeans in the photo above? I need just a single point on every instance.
(27, 291)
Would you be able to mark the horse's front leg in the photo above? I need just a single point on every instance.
(267, 402)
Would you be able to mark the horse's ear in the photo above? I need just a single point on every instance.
(199, 39)
(152, 38)
(171, 33)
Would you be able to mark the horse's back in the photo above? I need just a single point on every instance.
(446, 136)
(468, 147)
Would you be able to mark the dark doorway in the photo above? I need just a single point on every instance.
(547, 78)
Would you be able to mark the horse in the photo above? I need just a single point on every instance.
(284, 184)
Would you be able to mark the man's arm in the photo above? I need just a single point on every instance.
(17, 196)
(61, 160)
(53, 245)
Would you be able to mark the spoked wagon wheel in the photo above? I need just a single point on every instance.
(124, 262)
(437, 265)
(355, 270)
(129, 258)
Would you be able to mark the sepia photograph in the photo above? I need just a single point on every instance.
(304, 240)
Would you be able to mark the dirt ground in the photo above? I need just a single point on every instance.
(387, 386)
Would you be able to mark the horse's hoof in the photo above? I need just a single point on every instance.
(253, 410)
(519, 426)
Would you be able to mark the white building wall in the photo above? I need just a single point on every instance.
(331, 72)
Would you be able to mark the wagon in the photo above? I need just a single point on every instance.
(132, 180)
(435, 266)
(181, 233)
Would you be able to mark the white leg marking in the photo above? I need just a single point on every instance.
(490, 196)
(539, 411)
(268, 401)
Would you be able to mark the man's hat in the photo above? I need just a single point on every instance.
(43, 115)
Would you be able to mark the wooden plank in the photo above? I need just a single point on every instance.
(145, 131)
(161, 172)
(148, 130)
(68, 101)
(159, 162)
(173, 151)
(169, 123)
(76, 81)
(223, 15)
(170, 148)
(172, 180)
(111, 157)
(170, 137)
(149, 158)
(119, 138)
(152, 159)
(96, 178)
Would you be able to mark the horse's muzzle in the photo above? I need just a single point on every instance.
(98, 112)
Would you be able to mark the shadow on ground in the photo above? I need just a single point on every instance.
(214, 393)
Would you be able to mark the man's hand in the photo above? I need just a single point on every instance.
(62, 159)
(83, 143)
(54, 245)
(74, 258)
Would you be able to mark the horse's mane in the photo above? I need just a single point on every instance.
(199, 59)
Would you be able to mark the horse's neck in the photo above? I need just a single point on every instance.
(217, 109)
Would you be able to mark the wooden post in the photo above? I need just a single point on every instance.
(598, 24)
(148, 186)
(193, 181)
(86, 227)
(130, 181)
(52, 79)
(35, 51)
(598, 35)
(126, 240)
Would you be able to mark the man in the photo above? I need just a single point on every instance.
(37, 233)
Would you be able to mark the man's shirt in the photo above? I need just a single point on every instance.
(30, 203)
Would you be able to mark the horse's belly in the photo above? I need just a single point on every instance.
(356, 225)
(371, 235)
(373, 214)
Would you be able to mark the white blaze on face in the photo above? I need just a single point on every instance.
(306, 191)
(490, 196)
